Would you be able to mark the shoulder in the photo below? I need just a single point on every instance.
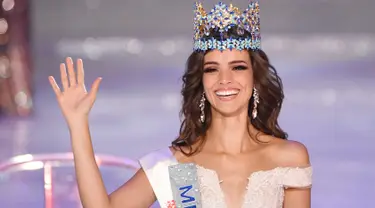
(156, 165)
(289, 153)
(156, 158)
(178, 154)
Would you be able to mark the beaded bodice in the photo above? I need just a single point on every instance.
(265, 189)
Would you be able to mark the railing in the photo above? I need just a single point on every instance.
(48, 162)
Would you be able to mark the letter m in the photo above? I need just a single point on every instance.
(184, 195)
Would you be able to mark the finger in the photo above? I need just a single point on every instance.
(80, 73)
(72, 74)
(54, 85)
(64, 77)
(95, 88)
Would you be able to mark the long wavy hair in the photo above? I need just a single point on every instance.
(266, 81)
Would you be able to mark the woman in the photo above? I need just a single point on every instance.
(231, 151)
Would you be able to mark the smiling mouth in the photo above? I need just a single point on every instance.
(227, 94)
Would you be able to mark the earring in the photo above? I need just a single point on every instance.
(256, 102)
(201, 106)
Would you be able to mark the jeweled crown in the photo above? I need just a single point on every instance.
(223, 18)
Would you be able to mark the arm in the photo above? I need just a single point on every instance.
(90, 184)
(297, 198)
(137, 192)
(75, 103)
(295, 154)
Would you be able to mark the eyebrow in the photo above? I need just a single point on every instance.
(232, 62)
(237, 62)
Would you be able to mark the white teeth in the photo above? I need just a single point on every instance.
(227, 92)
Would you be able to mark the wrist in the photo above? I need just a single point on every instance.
(78, 123)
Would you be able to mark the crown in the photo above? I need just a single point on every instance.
(223, 18)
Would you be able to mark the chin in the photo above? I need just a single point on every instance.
(229, 111)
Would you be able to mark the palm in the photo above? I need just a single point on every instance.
(74, 100)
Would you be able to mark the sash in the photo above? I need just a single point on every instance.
(185, 186)
(174, 184)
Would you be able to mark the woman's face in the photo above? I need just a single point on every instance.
(228, 81)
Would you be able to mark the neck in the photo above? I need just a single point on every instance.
(230, 134)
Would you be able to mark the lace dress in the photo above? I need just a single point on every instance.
(265, 189)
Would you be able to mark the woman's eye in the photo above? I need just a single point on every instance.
(240, 68)
(208, 70)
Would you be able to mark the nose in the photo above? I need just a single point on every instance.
(225, 77)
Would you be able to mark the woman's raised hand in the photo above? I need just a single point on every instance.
(74, 100)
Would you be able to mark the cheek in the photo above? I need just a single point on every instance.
(247, 84)
(208, 82)
(246, 80)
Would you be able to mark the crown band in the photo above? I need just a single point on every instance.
(223, 18)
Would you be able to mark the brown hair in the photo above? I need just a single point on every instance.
(266, 81)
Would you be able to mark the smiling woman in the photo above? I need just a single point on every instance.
(219, 76)
(230, 152)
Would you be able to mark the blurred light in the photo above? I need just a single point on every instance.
(362, 48)
(32, 165)
(22, 158)
(22, 100)
(168, 48)
(329, 46)
(8, 5)
(91, 48)
(4, 67)
(98, 161)
(48, 184)
(3, 26)
(134, 46)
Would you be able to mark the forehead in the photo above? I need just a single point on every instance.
(227, 56)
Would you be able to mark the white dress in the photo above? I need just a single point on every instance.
(265, 189)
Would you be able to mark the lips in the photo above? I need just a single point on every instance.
(227, 92)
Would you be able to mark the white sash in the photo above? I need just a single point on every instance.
(155, 165)
(174, 184)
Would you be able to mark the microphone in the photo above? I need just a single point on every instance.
(185, 185)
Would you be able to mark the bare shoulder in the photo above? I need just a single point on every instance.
(290, 153)
(179, 155)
